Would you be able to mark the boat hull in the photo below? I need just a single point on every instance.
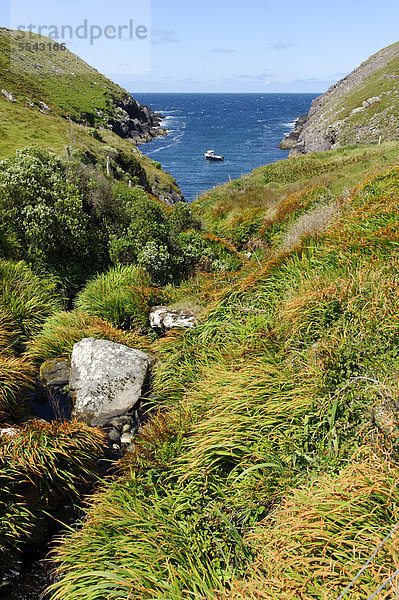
(215, 158)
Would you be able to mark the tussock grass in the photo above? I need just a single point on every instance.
(27, 297)
(122, 296)
(317, 541)
(63, 330)
(17, 376)
(43, 467)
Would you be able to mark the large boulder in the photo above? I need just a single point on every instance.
(106, 379)
(163, 319)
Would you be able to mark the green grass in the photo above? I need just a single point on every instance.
(248, 210)
(28, 298)
(61, 331)
(122, 296)
(68, 85)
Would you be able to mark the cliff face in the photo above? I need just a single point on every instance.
(360, 108)
(70, 88)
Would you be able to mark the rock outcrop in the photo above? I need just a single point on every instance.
(106, 379)
(135, 121)
(361, 108)
(163, 319)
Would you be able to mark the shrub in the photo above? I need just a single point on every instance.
(182, 218)
(157, 261)
(43, 212)
(122, 296)
(146, 222)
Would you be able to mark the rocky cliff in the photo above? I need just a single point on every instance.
(363, 107)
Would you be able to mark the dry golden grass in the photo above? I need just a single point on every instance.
(316, 542)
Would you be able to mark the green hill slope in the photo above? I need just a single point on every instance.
(56, 100)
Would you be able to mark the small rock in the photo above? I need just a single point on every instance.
(7, 95)
(56, 371)
(357, 110)
(114, 435)
(126, 428)
(9, 432)
(116, 447)
(44, 108)
(164, 319)
(126, 438)
(386, 417)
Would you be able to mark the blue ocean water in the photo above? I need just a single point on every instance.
(245, 128)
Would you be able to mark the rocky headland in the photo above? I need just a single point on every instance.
(361, 108)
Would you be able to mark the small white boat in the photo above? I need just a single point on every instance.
(210, 155)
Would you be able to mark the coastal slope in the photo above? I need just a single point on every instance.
(57, 101)
(361, 108)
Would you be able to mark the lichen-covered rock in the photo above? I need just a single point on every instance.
(163, 319)
(106, 379)
(8, 432)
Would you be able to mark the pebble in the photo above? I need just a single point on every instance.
(114, 435)
(126, 428)
(126, 438)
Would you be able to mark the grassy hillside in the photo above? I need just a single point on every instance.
(271, 470)
(267, 210)
(68, 85)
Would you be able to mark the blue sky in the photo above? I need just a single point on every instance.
(229, 45)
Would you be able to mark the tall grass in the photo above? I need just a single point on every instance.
(29, 298)
(317, 541)
(122, 296)
(42, 468)
(265, 407)
(17, 376)
(61, 331)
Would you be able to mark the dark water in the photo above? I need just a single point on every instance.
(245, 128)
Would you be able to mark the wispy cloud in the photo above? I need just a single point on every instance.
(164, 36)
(257, 77)
(283, 45)
(223, 50)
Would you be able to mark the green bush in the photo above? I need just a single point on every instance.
(43, 212)
(122, 296)
(156, 260)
